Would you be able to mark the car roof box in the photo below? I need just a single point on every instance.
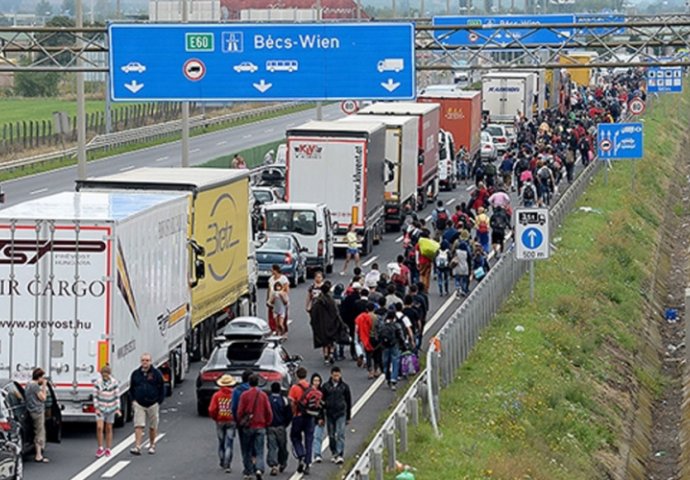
(246, 327)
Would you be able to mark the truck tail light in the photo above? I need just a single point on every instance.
(319, 249)
(5, 426)
(211, 376)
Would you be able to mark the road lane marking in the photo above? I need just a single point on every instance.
(162, 159)
(269, 130)
(124, 169)
(370, 261)
(428, 218)
(40, 190)
(101, 462)
(195, 150)
(247, 136)
(470, 188)
(399, 239)
(222, 142)
(450, 201)
(115, 469)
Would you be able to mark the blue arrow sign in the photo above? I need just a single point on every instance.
(618, 141)
(532, 238)
(180, 62)
(489, 31)
(664, 79)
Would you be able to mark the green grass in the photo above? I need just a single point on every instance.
(37, 109)
(96, 155)
(553, 402)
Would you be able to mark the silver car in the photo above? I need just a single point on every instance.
(488, 149)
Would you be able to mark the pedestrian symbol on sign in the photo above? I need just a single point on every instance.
(233, 42)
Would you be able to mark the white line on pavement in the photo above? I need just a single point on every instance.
(370, 261)
(428, 218)
(269, 130)
(247, 136)
(450, 201)
(101, 462)
(194, 150)
(162, 159)
(222, 142)
(115, 469)
(399, 239)
(124, 169)
(40, 190)
(470, 188)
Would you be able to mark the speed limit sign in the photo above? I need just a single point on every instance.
(637, 106)
(349, 106)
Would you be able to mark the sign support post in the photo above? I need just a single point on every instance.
(185, 107)
(531, 280)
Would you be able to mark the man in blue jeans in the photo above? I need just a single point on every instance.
(302, 430)
(338, 401)
(391, 337)
(256, 409)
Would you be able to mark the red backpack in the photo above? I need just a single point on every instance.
(310, 401)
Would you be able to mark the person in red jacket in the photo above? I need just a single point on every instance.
(255, 406)
(220, 410)
(364, 323)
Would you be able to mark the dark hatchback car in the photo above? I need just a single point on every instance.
(16, 427)
(284, 250)
(237, 352)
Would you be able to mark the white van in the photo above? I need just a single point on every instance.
(312, 225)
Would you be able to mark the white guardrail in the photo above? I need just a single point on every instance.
(143, 134)
(450, 347)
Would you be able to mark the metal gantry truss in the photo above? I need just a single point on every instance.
(643, 38)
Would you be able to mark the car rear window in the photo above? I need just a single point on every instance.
(243, 353)
(276, 243)
(263, 196)
(494, 131)
(297, 221)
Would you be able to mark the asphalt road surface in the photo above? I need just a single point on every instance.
(187, 443)
(202, 148)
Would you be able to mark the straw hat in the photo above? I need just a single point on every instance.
(226, 381)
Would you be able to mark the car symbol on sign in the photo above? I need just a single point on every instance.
(134, 67)
(245, 67)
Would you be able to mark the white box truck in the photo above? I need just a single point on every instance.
(342, 165)
(428, 118)
(89, 279)
(401, 165)
(504, 94)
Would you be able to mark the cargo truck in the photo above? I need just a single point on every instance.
(582, 76)
(427, 149)
(401, 165)
(89, 279)
(342, 165)
(504, 94)
(220, 207)
(461, 116)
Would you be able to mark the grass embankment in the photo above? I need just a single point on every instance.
(557, 400)
(37, 109)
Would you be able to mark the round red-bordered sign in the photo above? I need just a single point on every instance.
(637, 106)
(194, 69)
(605, 145)
(349, 106)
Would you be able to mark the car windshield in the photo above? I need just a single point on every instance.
(494, 131)
(297, 221)
(277, 243)
(243, 353)
(263, 196)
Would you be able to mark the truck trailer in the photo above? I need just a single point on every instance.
(220, 206)
(504, 94)
(401, 165)
(342, 165)
(89, 279)
(427, 149)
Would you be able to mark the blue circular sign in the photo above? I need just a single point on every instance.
(532, 238)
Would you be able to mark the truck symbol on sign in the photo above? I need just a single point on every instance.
(390, 65)
(528, 218)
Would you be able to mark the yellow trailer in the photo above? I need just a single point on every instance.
(581, 76)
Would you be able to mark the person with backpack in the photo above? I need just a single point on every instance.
(460, 265)
(440, 217)
(391, 337)
(547, 182)
(338, 404)
(276, 433)
(482, 223)
(302, 429)
(442, 263)
(236, 394)
(316, 383)
(365, 325)
(490, 172)
(480, 264)
(500, 222)
(254, 413)
(528, 194)
(414, 315)
(220, 410)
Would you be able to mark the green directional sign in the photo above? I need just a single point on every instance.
(199, 42)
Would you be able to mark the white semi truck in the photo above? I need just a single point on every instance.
(89, 279)
(504, 94)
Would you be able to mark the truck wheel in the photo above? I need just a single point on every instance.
(421, 201)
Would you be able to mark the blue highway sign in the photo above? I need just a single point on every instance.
(310, 61)
(532, 233)
(489, 31)
(600, 18)
(617, 141)
(664, 79)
